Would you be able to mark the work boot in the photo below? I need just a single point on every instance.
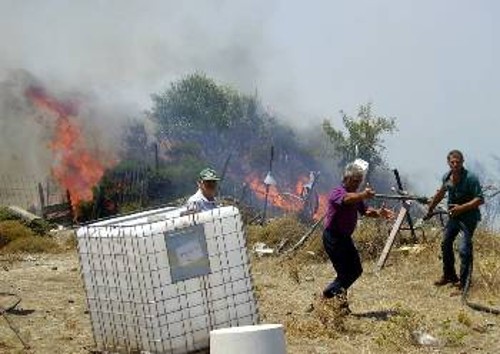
(446, 280)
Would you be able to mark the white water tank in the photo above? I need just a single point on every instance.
(261, 339)
(159, 282)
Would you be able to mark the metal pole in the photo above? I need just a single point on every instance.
(267, 186)
(408, 216)
(420, 199)
(223, 174)
(157, 161)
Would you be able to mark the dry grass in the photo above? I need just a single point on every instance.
(325, 320)
(276, 230)
(20, 236)
(38, 226)
(487, 264)
(12, 230)
(70, 242)
(388, 307)
(370, 237)
(36, 244)
(15, 237)
(51, 316)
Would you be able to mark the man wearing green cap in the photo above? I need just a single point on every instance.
(204, 198)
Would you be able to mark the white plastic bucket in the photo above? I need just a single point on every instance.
(261, 339)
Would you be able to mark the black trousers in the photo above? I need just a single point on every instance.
(345, 260)
(464, 249)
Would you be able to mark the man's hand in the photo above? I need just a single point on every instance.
(368, 193)
(455, 209)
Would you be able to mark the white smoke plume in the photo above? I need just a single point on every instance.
(110, 56)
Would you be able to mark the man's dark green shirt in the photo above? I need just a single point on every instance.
(467, 189)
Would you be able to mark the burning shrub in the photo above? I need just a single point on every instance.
(77, 166)
(132, 186)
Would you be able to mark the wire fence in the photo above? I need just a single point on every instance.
(22, 192)
(42, 197)
(130, 190)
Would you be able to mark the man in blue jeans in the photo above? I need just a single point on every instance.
(344, 204)
(464, 198)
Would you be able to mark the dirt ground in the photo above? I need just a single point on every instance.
(387, 307)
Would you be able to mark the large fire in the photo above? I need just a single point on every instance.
(76, 168)
(290, 202)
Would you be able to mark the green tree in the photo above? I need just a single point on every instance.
(198, 117)
(135, 142)
(215, 117)
(197, 103)
(362, 137)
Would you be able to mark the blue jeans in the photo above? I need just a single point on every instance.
(346, 262)
(453, 227)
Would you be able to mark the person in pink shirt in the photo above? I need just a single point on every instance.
(344, 205)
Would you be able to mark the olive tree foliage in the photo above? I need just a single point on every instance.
(217, 121)
(216, 118)
(362, 136)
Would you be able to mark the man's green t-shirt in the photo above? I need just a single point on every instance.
(467, 189)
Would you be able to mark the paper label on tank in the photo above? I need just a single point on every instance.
(187, 253)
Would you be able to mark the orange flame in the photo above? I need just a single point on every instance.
(323, 203)
(283, 201)
(76, 168)
(289, 202)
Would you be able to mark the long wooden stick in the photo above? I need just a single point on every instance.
(306, 235)
(392, 236)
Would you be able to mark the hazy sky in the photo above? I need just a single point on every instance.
(430, 63)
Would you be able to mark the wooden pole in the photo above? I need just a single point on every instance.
(392, 236)
(408, 216)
